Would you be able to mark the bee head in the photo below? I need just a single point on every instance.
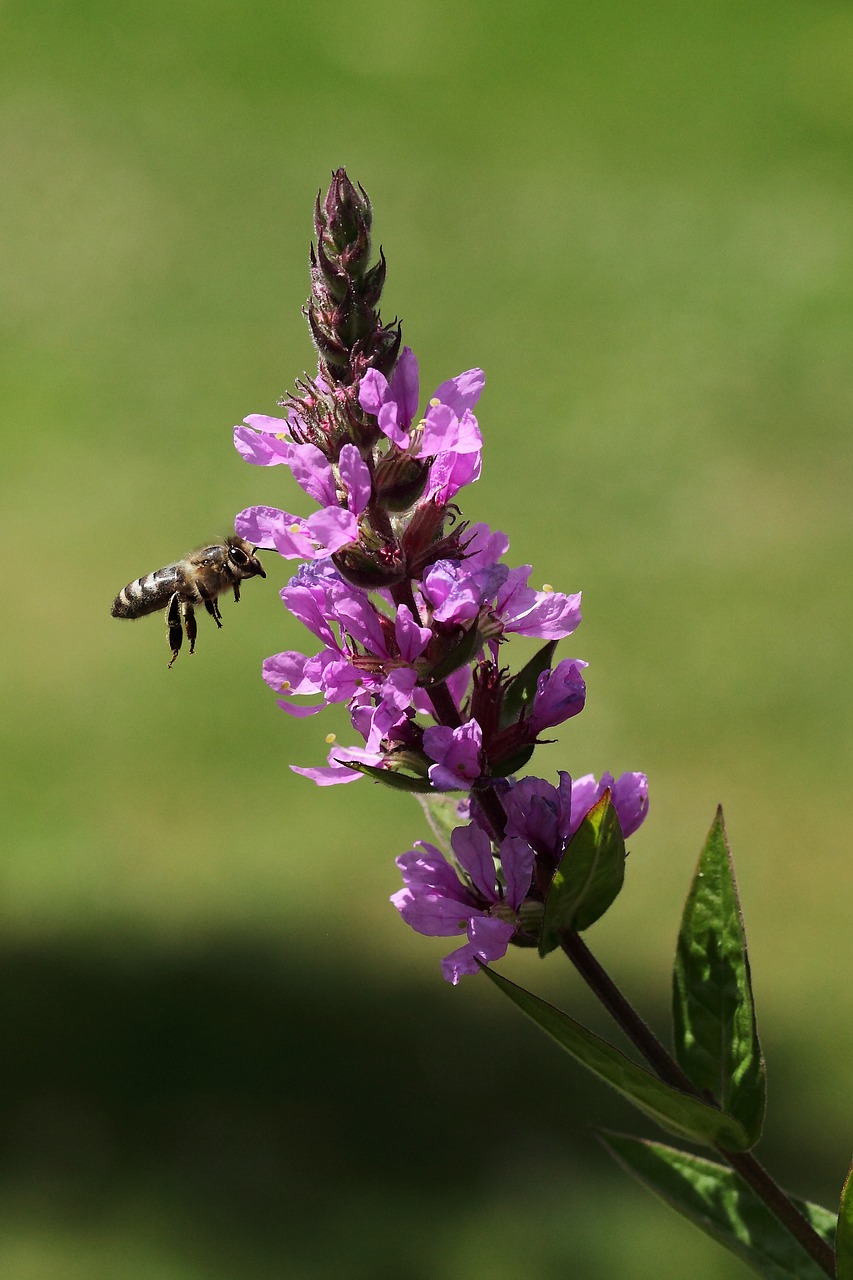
(242, 558)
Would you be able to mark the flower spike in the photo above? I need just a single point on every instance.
(414, 607)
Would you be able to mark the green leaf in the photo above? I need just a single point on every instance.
(589, 876)
(518, 694)
(673, 1110)
(717, 1201)
(442, 814)
(389, 777)
(716, 1040)
(844, 1238)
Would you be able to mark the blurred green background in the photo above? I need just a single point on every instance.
(223, 1055)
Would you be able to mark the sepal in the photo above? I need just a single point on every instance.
(589, 877)
(513, 763)
(399, 480)
(462, 652)
(521, 689)
(369, 569)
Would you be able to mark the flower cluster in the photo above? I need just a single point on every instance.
(413, 606)
(495, 908)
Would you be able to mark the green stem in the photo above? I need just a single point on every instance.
(668, 1070)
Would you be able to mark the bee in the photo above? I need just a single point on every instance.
(197, 579)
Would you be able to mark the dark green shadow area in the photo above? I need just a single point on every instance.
(238, 1110)
(264, 1115)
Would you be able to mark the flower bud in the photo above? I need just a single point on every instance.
(372, 571)
(343, 310)
(399, 480)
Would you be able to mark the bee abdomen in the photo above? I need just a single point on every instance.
(146, 595)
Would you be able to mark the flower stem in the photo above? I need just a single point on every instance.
(635, 1028)
(668, 1070)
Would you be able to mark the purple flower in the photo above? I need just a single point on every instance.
(457, 592)
(327, 673)
(457, 755)
(348, 484)
(484, 546)
(451, 471)
(540, 813)
(395, 403)
(412, 607)
(355, 478)
(264, 441)
(437, 903)
(548, 615)
(335, 773)
(629, 793)
(320, 535)
(312, 595)
(560, 694)
(448, 424)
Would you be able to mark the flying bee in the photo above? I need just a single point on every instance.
(197, 579)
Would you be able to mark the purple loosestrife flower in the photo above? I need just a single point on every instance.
(539, 812)
(455, 593)
(629, 793)
(347, 483)
(414, 607)
(321, 534)
(549, 614)
(447, 425)
(549, 816)
(560, 694)
(366, 642)
(458, 755)
(499, 907)
(439, 902)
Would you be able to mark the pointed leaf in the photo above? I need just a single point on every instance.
(518, 695)
(716, 1039)
(844, 1238)
(717, 1201)
(389, 777)
(673, 1110)
(589, 876)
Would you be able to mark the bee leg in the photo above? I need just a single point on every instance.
(236, 592)
(173, 622)
(213, 609)
(190, 625)
(209, 602)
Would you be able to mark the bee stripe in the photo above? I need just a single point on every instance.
(145, 595)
